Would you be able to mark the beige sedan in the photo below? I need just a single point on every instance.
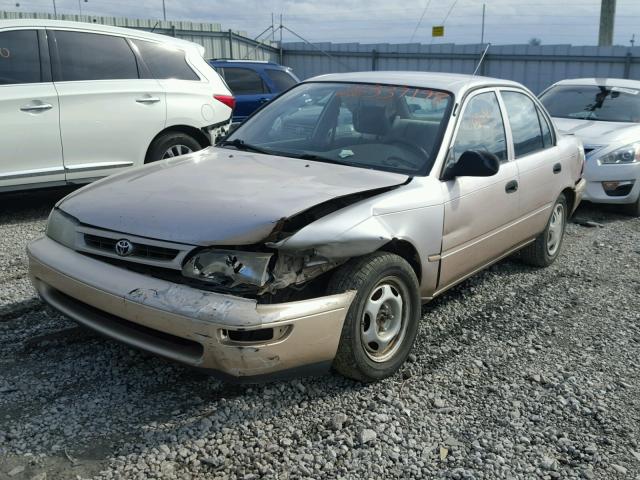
(311, 236)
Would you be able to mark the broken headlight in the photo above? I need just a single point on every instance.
(229, 268)
(62, 228)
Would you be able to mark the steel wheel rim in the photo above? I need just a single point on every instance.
(554, 234)
(384, 320)
(176, 151)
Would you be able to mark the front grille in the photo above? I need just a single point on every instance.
(140, 250)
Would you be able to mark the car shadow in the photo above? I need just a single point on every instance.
(599, 213)
(30, 205)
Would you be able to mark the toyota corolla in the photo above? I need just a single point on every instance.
(311, 236)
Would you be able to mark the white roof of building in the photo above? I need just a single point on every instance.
(95, 27)
(452, 82)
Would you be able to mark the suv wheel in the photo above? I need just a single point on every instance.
(171, 144)
(382, 323)
(546, 248)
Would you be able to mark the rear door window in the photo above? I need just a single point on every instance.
(90, 56)
(525, 125)
(165, 61)
(281, 79)
(19, 57)
(243, 81)
(547, 136)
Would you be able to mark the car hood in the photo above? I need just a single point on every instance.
(598, 133)
(216, 196)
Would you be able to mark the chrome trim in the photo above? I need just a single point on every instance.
(84, 167)
(32, 173)
(174, 264)
(36, 108)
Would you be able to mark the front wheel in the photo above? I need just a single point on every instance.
(546, 247)
(633, 209)
(382, 323)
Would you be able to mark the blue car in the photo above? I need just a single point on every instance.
(253, 83)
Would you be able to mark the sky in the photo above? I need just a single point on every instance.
(376, 21)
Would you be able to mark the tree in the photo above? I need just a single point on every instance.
(535, 42)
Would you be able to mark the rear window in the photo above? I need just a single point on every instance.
(165, 61)
(243, 81)
(593, 102)
(90, 56)
(281, 79)
(19, 57)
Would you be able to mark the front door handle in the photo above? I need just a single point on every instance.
(148, 100)
(263, 100)
(557, 168)
(36, 107)
(511, 187)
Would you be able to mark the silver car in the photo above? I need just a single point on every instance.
(605, 114)
(311, 236)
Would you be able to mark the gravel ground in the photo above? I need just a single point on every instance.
(517, 373)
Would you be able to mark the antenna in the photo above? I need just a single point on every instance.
(481, 59)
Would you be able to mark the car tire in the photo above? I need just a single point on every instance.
(171, 144)
(386, 287)
(546, 247)
(633, 209)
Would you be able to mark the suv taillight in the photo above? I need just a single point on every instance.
(228, 100)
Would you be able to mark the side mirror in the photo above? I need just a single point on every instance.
(473, 163)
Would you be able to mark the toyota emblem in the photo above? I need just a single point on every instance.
(124, 247)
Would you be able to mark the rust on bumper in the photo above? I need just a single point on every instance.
(185, 324)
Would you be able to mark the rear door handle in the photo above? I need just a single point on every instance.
(263, 100)
(148, 100)
(557, 168)
(36, 107)
(511, 187)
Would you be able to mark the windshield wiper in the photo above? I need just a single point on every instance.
(242, 145)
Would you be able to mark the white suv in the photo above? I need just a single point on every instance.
(80, 101)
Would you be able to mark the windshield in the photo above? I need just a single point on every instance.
(592, 102)
(391, 128)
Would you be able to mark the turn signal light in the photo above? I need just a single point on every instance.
(228, 100)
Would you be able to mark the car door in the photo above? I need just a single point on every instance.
(479, 212)
(248, 88)
(537, 159)
(30, 133)
(108, 114)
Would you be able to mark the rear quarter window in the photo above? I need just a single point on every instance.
(165, 61)
(243, 81)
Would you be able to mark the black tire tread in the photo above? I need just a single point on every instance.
(535, 253)
(351, 276)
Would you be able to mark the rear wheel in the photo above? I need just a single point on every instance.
(382, 323)
(171, 144)
(546, 248)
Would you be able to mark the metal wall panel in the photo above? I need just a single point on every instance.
(537, 67)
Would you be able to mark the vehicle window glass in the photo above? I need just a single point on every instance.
(243, 81)
(19, 57)
(481, 128)
(165, 61)
(90, 56)
(593, 102)
(547, 136)
(525, 126)
(281, 79)
(361, 125)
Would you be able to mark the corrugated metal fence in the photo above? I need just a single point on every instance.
(535, 66)
(218, 43)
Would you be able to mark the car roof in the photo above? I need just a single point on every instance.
(246, 62)
(601, 82)
(453, 82)
(97, 27)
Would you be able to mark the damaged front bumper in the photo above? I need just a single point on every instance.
(234, 336)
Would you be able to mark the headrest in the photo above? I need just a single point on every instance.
(371, 119)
